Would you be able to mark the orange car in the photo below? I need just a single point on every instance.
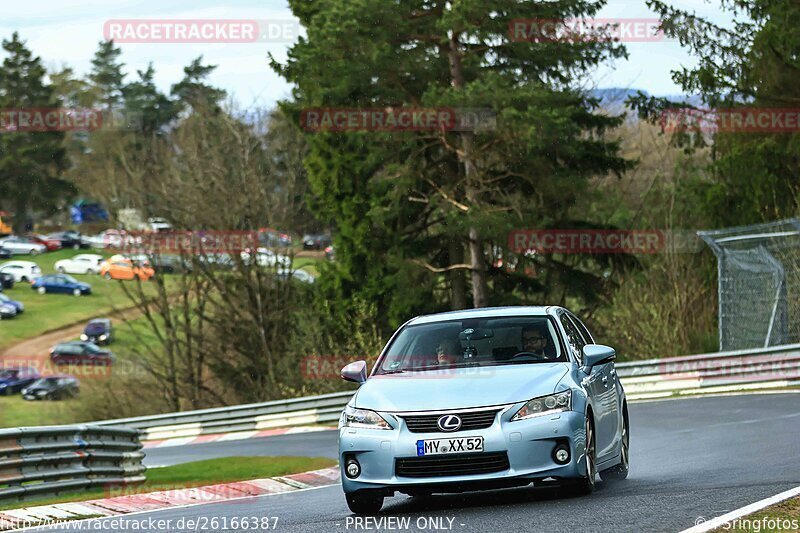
(125, 269)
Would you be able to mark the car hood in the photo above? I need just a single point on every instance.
(459, 388)
(95, 330)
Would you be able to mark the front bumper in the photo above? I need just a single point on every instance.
(528, 443)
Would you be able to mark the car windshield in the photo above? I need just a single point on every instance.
(4, 298)
(45, 382)
(69, 279)
(473, 342)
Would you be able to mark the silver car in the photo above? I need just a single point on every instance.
(482, 399)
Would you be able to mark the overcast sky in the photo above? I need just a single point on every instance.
(67, 33)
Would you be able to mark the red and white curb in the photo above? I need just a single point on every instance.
(238, 435)
(151, 501)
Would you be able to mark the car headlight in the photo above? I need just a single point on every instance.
(41, 393)
(84, 337)
(103, 337)
(363, 418)
(24, 391)
(545, 405)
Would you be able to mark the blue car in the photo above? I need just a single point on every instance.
(13, 380)
(61, 284)
(19, 306)
(482, 399)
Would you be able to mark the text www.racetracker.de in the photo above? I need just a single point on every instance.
(201, 523)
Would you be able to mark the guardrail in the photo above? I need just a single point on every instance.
(50, 460)
(763, 368)
(321, 409)
(758, 369)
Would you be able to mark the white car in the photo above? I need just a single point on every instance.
(80, 264)
(110, 238)
(267, 258)
(158, 224)
(23, 271)
(22, 245)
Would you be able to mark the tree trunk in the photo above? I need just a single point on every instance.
(480, 288)
(458, 284)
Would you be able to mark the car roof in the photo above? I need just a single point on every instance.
(20, 263)
(484, 312)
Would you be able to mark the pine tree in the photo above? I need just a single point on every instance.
(31, 162)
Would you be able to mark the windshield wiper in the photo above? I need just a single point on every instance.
(392, 372)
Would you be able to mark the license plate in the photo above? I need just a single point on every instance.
(445, 446)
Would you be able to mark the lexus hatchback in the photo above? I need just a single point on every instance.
(482, 399)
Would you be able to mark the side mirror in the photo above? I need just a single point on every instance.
(597, 354)
(355, 372)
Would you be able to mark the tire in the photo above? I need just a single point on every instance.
(61, 270)
(23, 279)
(364, 502)
(90, 272)
(620, 471)
(41, 290)
(76, 292)
(107, 275)
(585, 485)
(33, 252)
(76, 246)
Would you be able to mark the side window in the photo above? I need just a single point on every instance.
(582, 328)
(574, 339)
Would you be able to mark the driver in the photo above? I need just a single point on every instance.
(448, 352)
(534, 340)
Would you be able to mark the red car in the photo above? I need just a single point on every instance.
(51, 244)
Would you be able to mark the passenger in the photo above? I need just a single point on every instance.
(448, 352)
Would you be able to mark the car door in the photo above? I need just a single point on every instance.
(594, 386)
(609, 394)
(61, 285)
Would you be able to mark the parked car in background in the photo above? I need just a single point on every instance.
(300, 275)
(80, 353)
(61, 284)
(80, 264)
(7, 311)
(330, 253)
(13, 380)
(98, 331)
(52, 388)
(20, 308)
(51, 244)
(125, 269)
(22, 246)
(316, 242)
(6, 281)
(158, 224)
(5, 253)
(69, 239)
(272, 238)
(22, 271)
(110, 238)
(164, 263)
(267, 258)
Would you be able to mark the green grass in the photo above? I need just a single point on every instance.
(16, 412)
(308, 264)
(195, 474)
(785, 512)
(48, 312)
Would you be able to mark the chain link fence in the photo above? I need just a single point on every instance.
(759, 284)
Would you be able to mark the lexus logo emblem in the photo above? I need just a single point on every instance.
(449, 423)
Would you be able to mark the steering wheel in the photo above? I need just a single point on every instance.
(528, 354)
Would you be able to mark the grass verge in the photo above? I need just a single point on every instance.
(784, 516)
(194, 474)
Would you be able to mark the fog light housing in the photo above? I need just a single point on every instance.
(561, 454)
(352, 469)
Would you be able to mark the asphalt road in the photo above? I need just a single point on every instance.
(690, 458)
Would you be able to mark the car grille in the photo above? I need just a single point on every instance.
(464, 464)
(469, 421)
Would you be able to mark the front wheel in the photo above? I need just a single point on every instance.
(61, 270)
(620, 471)
(585, 485)
(41, 290)
(364, 502)
(76, 292)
